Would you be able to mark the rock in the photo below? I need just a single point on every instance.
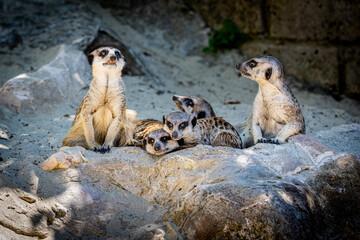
(289, 191)
(247, 15)
(63, 79)
(343, 138)
(28, 219)
(314, 20)
(64, 158)
(314, 65)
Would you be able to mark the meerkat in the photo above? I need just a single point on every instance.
(159, 142)
(213, 131)
(276, 113)
(102, 121)
(194, 106)
(143, 128)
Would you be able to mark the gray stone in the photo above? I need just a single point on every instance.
(314, 20)
(289, 191)
(63, 79)
(315, 65)
(246, 14)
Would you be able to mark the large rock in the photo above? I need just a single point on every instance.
(315, 65)
(289, 191)
(246, 14)
(61, 80)
(314, 20)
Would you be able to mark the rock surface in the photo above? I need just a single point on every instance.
(291, 191)
(63, 79)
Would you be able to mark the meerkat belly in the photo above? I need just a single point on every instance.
(270, 127)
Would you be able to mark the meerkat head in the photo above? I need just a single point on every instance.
(179, 124)
(159, 142)
(194, 106)
(107, 58)
(262, 69)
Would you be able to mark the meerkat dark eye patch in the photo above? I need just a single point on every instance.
(189, 102)
(183, 125)
(268, 73)
(118, 55)
(151, 140)
(170, 125)
(164, 139)
(103, 53)
(252, 63)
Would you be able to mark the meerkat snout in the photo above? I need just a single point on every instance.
(107, 57)
(159, 142)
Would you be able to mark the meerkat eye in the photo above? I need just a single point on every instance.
(103, 53)
(163, 139)
(151, 140)
(268, 73)
(252, 64)
(169, 124)
(189, 102)
(118, 55)
(183, 125)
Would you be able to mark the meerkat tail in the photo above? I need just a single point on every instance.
(244, 130)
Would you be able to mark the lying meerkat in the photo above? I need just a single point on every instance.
(213, 131)
(159, 142)
(194, 106)
(143, 128)
(276, 113)
(101, 120)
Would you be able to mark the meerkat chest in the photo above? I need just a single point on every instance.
(107, 90)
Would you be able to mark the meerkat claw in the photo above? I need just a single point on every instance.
(108, 149)
(95, 149)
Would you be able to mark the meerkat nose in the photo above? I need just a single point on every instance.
(238, 66)
(113, 58)
(157, 147)
(174, 98)
(174, 134)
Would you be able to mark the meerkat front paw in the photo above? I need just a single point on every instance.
(104, 149)
(262, 140)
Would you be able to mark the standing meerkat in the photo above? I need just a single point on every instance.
(213, 131)
(194, 106)
(276, 113)
(101, 120)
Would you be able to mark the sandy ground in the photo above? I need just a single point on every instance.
(34, 137)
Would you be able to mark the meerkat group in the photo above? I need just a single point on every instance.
(102, 121)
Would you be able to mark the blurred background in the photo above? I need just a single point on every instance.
(317, 41)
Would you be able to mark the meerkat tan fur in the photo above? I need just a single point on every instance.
(194, 106)
(143, 128)
(213, 131)
(101, 120)
(159, 142)
(276, 113)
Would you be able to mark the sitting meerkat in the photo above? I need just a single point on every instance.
(213, 131)
(194, 106)
(102, 121)
(276, 113)
(159, 142)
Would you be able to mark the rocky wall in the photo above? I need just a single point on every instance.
(317, 41)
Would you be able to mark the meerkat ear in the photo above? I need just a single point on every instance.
(201, 114)
(268, 73)
(193, 121)
(90, 58)
(163, 119)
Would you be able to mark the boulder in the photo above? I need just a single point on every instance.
(64, 79)
(289, 191)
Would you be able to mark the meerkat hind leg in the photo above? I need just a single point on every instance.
(287, 131)
(75, 136)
